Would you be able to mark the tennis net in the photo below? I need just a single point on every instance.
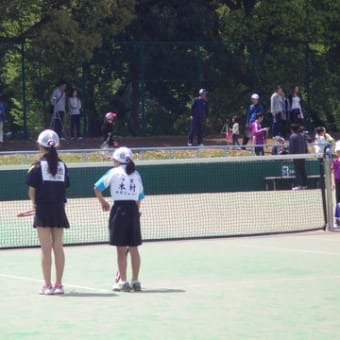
(185, 199)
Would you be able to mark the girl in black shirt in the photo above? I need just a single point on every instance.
(47, 180)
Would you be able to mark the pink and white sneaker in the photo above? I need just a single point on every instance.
(58, 289)
(46, 290)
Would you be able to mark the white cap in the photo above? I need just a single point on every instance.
(202, 91)
(255, 96)
(48, 138)
(337, 146)
(122, 155)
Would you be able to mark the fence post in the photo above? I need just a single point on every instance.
(199, 64)
(307, 110)
(84, 101)
(253, 65)
(23, 74)
(142, 85)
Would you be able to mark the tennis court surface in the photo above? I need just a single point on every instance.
(281, 286)
(277, 287)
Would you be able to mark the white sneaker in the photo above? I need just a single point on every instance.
(58, 289)
(189, 144)
(121, 286)
(46, 290)
(136, 286)
(201, 145)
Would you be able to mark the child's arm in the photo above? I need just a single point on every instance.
(105, 205)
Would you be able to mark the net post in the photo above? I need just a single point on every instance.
(329, 193)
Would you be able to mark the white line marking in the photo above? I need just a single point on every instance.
(23, 278)
(292, 250)
(230, 284)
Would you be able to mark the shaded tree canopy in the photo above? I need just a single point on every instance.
(146, 59)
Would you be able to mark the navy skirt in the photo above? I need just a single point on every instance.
(124, 224)
(50, 215)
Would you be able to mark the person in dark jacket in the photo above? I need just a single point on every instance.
(298, 145)
(198, 113)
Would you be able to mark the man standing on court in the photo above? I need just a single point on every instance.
(198, 113)
(57, 100)
(298, 145)
(253, 111)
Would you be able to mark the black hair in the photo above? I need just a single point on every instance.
(236, 118)
(130, 167)
(319, 130)
(301, 129)
(52, 160)
(71, 92)
(294, 127)
(62, 82)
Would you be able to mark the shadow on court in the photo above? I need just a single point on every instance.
(162, 291)
(277, 287)
(81, 294)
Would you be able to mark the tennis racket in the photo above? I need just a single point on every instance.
(26, 213)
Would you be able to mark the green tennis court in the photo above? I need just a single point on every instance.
(279, 287)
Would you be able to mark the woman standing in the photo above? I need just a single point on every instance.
(74, 105)
(47, 180)
(126, 189)
(296, 114)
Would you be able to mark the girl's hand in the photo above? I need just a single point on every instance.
(105, 205)
(333, 186)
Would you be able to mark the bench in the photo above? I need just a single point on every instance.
(274, 180)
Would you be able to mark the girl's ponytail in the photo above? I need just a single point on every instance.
(130, 167)
(52, 158)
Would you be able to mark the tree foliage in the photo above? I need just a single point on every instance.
(146, 59)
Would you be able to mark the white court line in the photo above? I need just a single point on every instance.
(292, 250)
(24, 278)
(230, 284)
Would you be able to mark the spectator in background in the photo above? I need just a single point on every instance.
(328, 137)
(235, 130)
(258, 134)
(277, 108)
(57, 101)
(296, 114)
(336, 172)
(320, 141)
(254, 109)
(198, 113)
(74, 105)
(298, 145)
(2, 119)
(279, 149)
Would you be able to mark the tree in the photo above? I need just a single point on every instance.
(58, 37)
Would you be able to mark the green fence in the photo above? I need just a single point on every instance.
(168, 178)
(151, 84)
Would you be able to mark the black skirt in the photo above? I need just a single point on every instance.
(124, 224)
(50, 215)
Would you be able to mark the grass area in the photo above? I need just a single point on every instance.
(99, 156)
(68, 157)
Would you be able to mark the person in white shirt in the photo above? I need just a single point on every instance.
(74, 106)
(320, 141)
(296, 113)
(235, 130)
(127, 191)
